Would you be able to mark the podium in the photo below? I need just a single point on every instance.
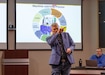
(15, 62)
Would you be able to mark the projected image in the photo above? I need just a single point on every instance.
(33, 23)
(43, 20)
(3, 21)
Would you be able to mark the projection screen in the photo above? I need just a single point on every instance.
(3, 27)
(34, 18)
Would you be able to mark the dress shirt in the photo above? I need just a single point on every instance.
(100, 60)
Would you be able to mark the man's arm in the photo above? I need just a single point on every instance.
(51, 39)
(72, 45)
(102, 63)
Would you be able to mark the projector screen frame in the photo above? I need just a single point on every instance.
(50, 49)
(4, 45)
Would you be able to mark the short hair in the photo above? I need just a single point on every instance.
(100, 48)
(54, 25)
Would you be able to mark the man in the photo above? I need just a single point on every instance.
(62, 47)
(100, 57)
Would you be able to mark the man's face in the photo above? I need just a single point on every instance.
(54, 29)
(99, 52)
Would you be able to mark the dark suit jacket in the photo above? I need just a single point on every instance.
(56, 53)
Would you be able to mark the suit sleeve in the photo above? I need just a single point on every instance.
(71, 42)
(51, 39)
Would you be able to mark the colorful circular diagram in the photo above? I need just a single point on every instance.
(43, 20)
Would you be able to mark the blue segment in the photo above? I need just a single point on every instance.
(38, 34)
(45, 29)
(49, 29)
(62, 20)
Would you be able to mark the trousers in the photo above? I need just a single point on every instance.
(62, 69)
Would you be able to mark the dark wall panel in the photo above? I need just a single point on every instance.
(102, 24)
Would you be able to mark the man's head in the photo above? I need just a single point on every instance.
(54, 28)
(99, 52)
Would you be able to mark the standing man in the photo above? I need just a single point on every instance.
(62, 47)
(100, 57)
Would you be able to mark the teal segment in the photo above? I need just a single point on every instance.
(45, 12)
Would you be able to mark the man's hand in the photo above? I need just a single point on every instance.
(60, 30)
(68, 51)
